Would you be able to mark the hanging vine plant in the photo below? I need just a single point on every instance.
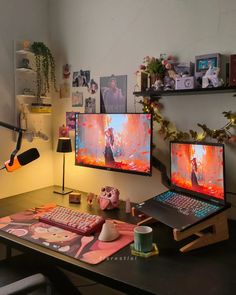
(170, 132)
(45, 69)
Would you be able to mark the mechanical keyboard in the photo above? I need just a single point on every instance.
(186, 205)
(73, 220)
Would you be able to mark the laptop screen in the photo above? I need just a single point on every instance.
(198, 168)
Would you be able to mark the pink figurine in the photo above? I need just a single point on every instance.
(90, 197)
(109, 198)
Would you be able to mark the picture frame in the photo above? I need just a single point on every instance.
(113, 94)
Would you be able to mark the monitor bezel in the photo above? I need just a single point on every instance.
(206, 197)
(116, 169)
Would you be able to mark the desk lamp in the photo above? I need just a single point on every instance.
(63, 146)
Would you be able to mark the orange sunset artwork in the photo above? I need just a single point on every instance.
(198, 168)
(114, 141)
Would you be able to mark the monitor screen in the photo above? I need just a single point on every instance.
(119, 142)
(198, 167)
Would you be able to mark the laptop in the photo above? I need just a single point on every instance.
(197, 186)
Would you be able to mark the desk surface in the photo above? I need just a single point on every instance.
(210, 270)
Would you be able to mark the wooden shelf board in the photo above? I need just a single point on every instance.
(24, 52)
(196, 91)
(32, 96)
(25, 70)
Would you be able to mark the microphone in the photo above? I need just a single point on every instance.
(22, 159)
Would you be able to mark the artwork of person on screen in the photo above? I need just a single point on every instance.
(194, 171)
(198, 168)
(113, 95)
(109, 142)
(118, 142)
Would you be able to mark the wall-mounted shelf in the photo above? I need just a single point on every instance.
(25, 70)
(196, 91)
(32, 96)
(24, 52)
(35, 119)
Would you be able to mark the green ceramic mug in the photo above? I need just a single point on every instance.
(143, 238)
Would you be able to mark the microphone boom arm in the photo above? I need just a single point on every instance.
(19, 139)
(11, 127)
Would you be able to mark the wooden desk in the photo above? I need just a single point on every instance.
(209, 270)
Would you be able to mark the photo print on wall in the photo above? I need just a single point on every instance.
(90, 105)
(70, 120)
(65, 84)
(113, 94)
(77, 99)
(64, 90)
(93, 87)
(81, 78)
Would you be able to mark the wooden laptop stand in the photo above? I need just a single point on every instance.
(209, 231)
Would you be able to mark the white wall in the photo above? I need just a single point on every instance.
(112, 37)
(20, 20)
(105, 37)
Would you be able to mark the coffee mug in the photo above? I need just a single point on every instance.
(143, 238)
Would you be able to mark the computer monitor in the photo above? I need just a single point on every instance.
(199, 168)
(117, 142)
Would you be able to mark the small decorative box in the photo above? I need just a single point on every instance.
(74, 197)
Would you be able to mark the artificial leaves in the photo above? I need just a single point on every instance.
(45, 68)
(169, 131)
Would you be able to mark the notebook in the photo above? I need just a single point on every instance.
(197, 190)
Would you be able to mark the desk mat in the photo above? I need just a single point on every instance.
(89, 249)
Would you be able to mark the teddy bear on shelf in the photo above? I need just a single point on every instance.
(170, 73)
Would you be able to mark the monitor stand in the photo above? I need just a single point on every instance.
(209, 231)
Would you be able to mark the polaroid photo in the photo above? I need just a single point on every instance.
(65, 90)
(77, 99)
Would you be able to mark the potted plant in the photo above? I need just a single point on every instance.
(156, 68)
(45, 70)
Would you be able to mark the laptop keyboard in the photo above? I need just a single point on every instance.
(186, 205)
